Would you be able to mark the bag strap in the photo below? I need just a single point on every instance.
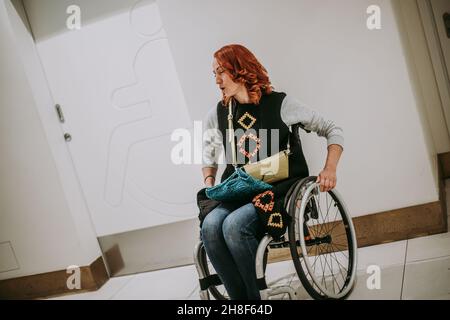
(289, 141)
(231, 135)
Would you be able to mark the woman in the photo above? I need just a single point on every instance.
(231, 232)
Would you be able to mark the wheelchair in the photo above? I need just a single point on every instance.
(322, 243)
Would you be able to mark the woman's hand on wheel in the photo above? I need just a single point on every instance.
(327, 179)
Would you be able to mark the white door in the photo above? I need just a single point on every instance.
(441, 12)
(119, 92)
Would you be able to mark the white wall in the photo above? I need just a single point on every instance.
(322, 53)
(46, 229)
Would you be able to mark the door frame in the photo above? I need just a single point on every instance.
(419, 36)
(437, 59)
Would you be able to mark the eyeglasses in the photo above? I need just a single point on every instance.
(219, 70)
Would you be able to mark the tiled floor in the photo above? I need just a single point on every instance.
(413, 269)
(410, 269)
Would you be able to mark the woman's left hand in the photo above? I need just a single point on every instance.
(327, 179)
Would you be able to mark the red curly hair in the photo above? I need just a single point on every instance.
(242, 65)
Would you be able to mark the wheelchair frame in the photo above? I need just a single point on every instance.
(306, 188)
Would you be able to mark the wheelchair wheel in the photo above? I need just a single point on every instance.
(218, 292)
(322, 241)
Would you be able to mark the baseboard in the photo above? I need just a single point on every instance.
(444, 164)
(54, 283)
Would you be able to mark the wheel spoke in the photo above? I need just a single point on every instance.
(340, 269)
(320, 214)
(337, 260)
(335, 222)
(328, 212)
(332, 274)
(323, 269)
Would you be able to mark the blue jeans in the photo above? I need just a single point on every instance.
(231, 237)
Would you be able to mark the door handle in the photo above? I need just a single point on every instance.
(446, 17)
(60, 113)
